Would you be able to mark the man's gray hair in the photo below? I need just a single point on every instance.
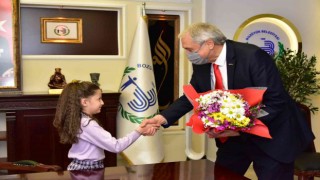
(200, 32)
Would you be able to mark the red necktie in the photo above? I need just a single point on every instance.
(219, 85)
(217, 74)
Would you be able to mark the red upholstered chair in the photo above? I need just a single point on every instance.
(307, 165)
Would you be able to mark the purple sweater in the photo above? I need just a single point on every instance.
(94, 140)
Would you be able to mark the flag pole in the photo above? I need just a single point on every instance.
(143, 9)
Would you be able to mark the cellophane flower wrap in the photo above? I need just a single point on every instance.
(227, 110)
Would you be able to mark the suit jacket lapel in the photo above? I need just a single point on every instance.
(231, 63)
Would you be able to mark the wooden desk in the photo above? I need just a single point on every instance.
(193, 170)
(31, 135)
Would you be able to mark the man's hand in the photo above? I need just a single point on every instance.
(157, 120)
(226, 133)
(154, 122)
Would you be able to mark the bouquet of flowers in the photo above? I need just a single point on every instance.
(227, 110)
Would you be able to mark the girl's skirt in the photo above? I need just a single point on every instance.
(85, 165)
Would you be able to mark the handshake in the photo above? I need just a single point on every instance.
(149, 127)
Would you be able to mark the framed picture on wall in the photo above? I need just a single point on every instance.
(105, 39)
(61, 30)
(9, 46)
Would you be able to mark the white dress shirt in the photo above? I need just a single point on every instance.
(222, 63)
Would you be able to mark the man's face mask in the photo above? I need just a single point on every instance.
(195, 58)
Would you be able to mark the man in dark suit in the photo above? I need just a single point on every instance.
(244, 65)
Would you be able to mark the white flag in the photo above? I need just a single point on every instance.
(138, 100)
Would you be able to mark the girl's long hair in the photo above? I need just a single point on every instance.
(68, 113)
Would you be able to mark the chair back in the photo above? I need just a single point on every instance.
(306, 111)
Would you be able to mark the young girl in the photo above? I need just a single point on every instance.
(77, 104)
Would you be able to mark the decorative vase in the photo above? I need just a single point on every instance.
(95, 78)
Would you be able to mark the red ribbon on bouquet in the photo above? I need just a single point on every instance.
(252, 95)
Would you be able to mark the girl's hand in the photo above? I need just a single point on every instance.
(148, 130)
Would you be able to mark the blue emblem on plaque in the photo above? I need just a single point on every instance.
(268, 46)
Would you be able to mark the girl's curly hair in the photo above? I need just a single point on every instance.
(68, 114)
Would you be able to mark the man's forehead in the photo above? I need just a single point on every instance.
(187, 42)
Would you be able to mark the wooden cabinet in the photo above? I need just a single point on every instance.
(31, 135)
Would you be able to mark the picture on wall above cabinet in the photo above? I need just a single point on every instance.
(56, 30)
(9, 46)
(61, 30)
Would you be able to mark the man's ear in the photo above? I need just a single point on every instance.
(210, 43)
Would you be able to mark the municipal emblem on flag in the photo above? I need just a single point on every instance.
(140, 98)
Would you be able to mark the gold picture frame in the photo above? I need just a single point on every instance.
(61, 30)
(10, 75)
